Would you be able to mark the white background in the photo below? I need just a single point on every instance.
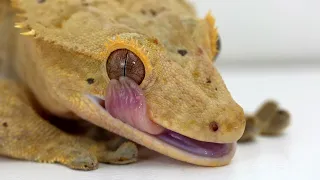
(270, 50)
(256, 31)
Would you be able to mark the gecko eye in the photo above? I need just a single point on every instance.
(123, 62)
(218, 45)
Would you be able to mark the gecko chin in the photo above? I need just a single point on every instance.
(125, 101)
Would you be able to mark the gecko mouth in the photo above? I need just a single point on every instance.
(206, 149)
(125, 101)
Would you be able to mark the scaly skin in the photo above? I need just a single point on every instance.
(66, 42)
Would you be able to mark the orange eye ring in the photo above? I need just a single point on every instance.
(135, 49)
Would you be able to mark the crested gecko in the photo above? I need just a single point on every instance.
(85, 81)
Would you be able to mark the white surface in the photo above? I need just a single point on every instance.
(266, 30)
(294, 155)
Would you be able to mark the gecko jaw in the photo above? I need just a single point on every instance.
(124, 111)
(179, 141)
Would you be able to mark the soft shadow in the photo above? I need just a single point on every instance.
(271, 136)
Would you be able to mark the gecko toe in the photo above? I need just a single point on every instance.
(125, 154)
(81, 160)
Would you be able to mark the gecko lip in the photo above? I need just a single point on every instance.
(125, 101)
(207, 149)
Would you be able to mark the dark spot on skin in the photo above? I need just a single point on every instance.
(153, 12)
(208, 80)
(84, 3)
(216, 89)
(90, 80)
(41, 1)
(155, 41)
(143, 11)
(5, 124)
(199, 51)
(214, 126)
(182, 52)
(123, 62)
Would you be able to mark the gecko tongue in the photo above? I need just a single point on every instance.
(125, 101)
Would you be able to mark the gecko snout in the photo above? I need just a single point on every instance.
(228, 125)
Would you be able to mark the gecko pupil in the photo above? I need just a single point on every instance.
(123, 62)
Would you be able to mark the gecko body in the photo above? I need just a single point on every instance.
(85, 81)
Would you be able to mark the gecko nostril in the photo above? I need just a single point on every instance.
(214, 126)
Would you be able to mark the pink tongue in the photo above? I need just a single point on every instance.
(125, 101)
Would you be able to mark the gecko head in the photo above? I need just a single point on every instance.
(172, 93)
(177, 97)
(154, 92)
